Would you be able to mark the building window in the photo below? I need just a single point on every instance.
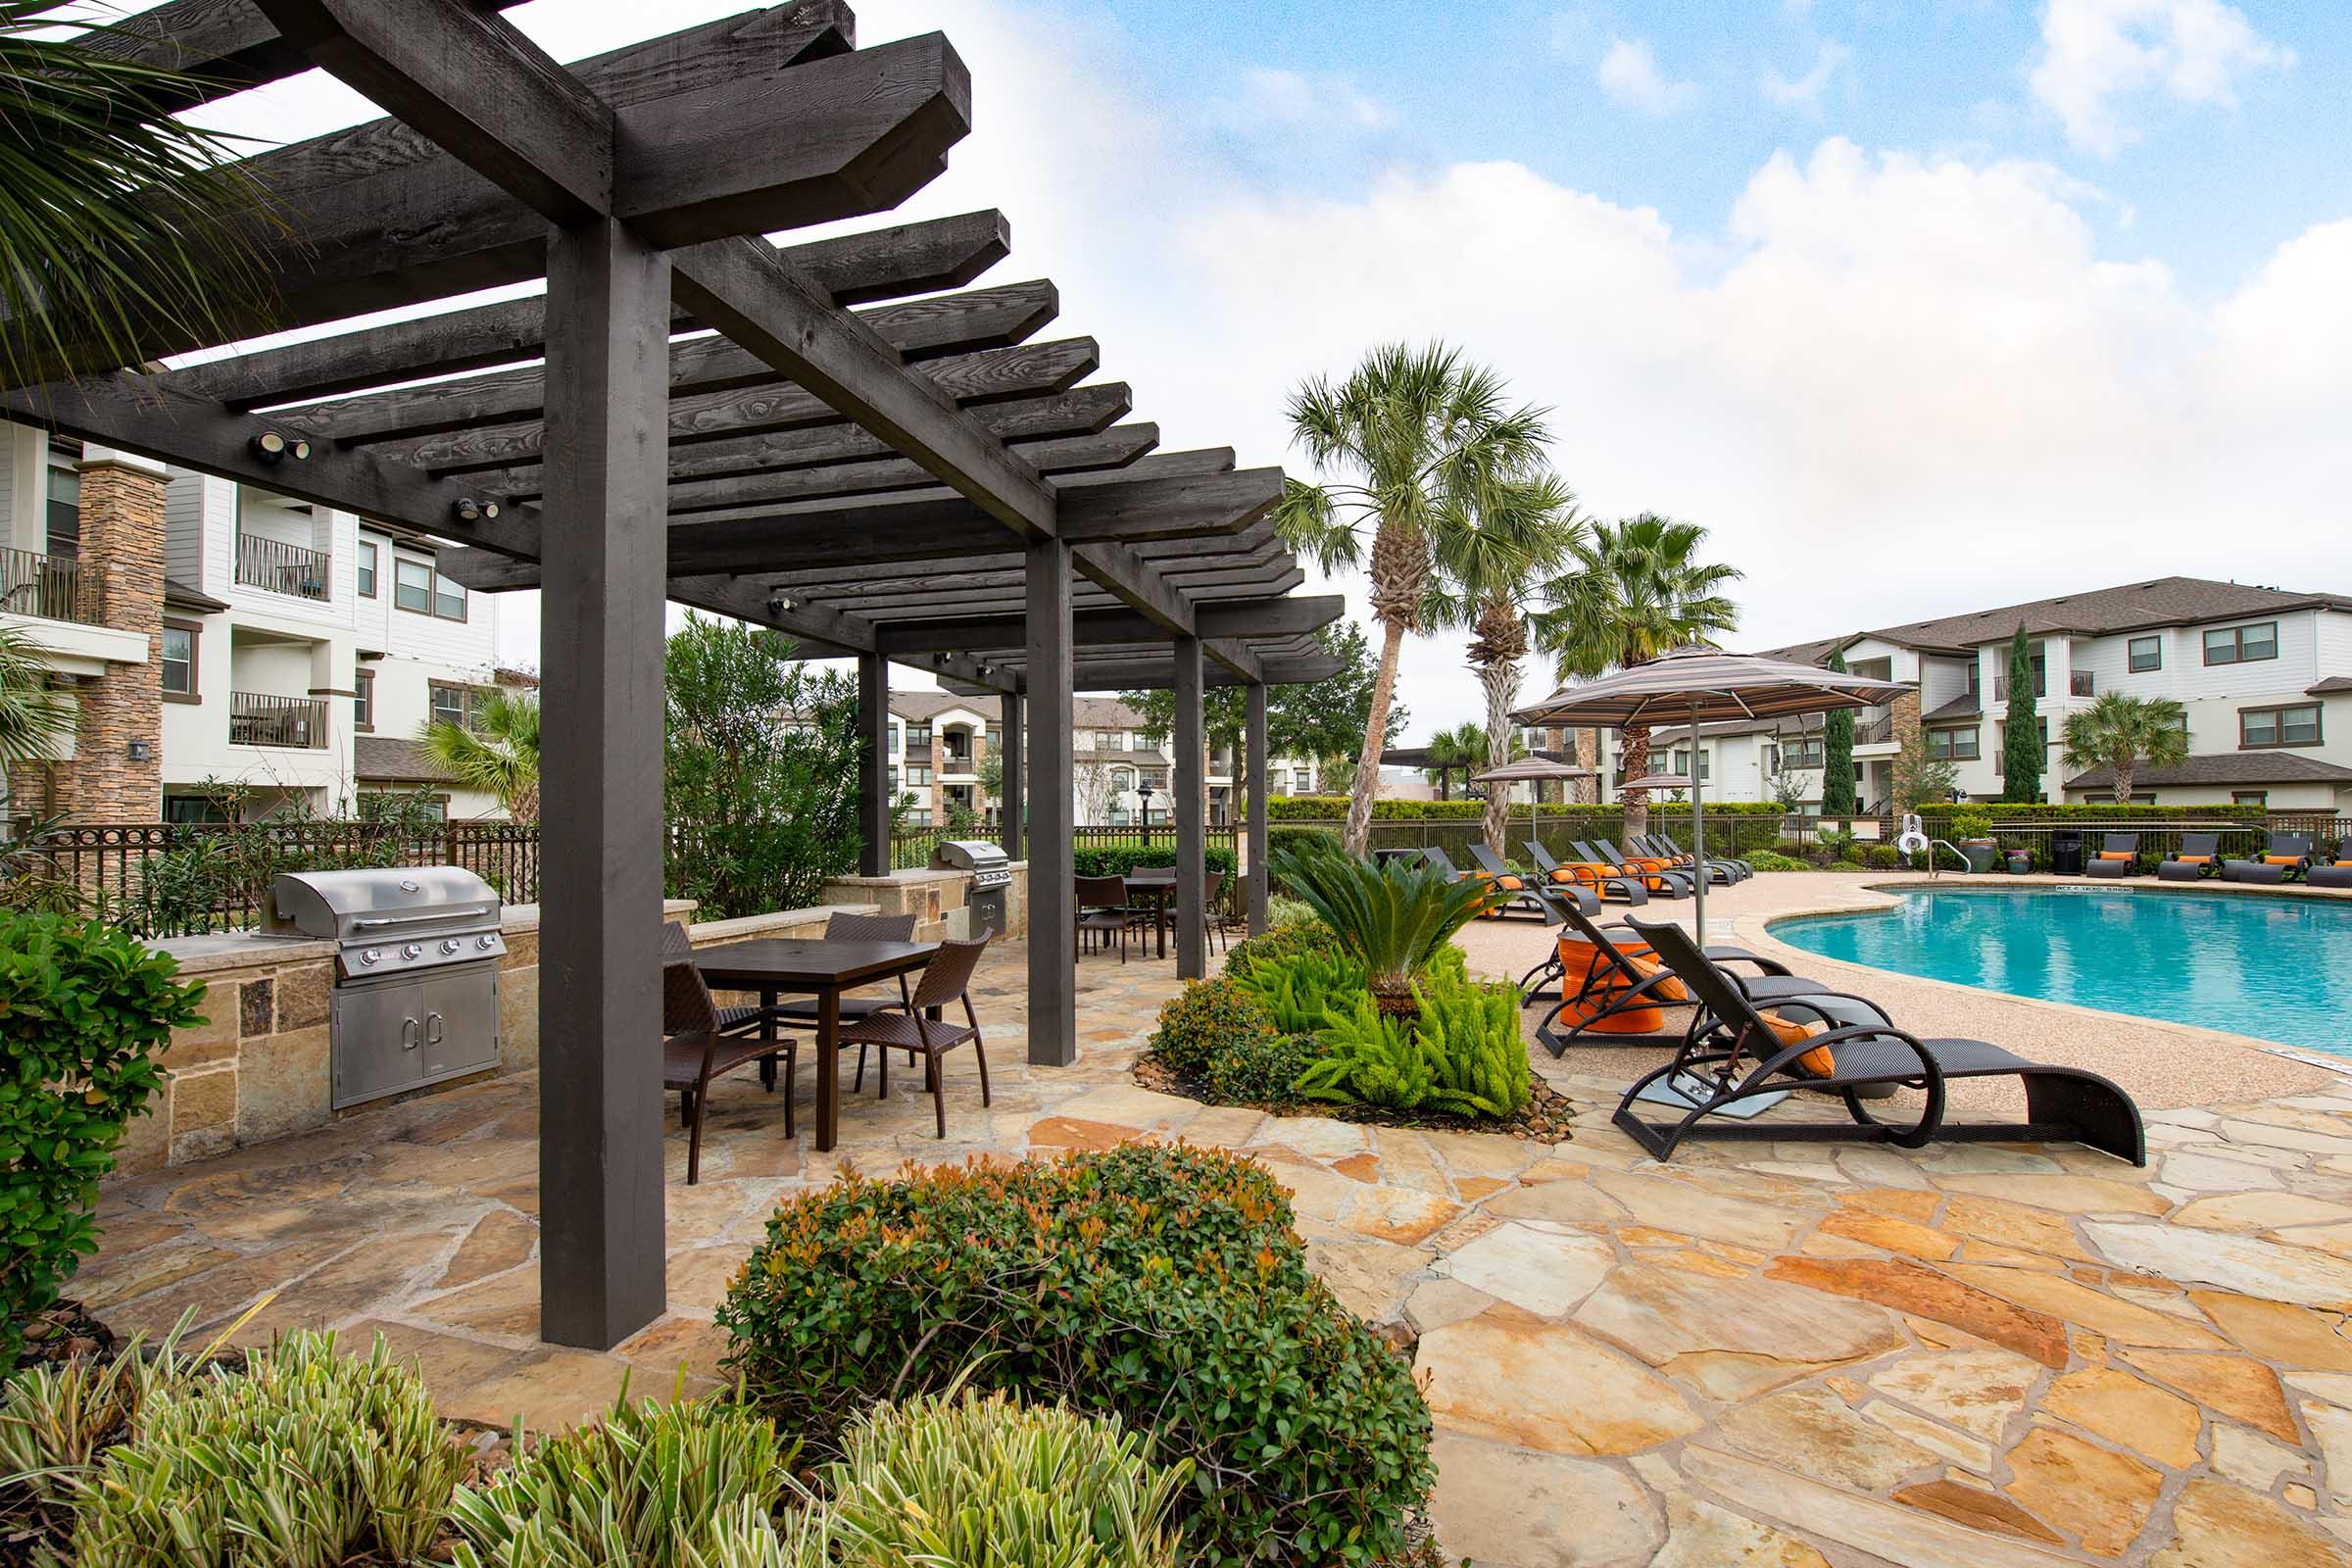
(894, 745)
(412, 585)
(1976, 678)
(1953, 745)
(2261, 797)
(363, 701)
(1801, 754)
(455, 705)
(193, 808)
(918, 777)
(180, 663)
(2143, 653)
(366, 570)
(918, 737)
(65, 498)
(1110, 740)
(2241, 645)
(449, 598)
(2298, 725)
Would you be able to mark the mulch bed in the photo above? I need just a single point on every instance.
(1548, 1119)
(62, 1332)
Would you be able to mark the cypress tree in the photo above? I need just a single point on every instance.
(1837, 755)
(2021, 749)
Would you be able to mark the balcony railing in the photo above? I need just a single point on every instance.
(2078, 683)
(1874, 725)
(282, 569)
(256, 718)
(35, 584)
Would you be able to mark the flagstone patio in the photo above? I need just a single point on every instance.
(1785, 1353)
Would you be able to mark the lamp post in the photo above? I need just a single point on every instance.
(1144, 790)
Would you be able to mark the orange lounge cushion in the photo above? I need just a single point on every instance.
(2192, 860)
(1818, 1061)
(2282, 860)
(1646, 965)
(2116, 855)
(1582, 960)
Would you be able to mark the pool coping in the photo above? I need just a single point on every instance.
(1756, 930)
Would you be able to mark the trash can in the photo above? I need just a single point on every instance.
(2066, 851)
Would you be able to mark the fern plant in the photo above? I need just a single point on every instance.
(1376, 1060)
(1393, 916)
(1469, 1035)
(1297, 988)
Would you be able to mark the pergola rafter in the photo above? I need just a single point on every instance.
(924, 481)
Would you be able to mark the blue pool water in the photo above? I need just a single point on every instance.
(2276, 968)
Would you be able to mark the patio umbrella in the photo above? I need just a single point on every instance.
(1531, 770)
(1704, 685)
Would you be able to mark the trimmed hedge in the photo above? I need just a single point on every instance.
(2035, 816)
(1332, 810)
(1122, 860)
(1163, 1285)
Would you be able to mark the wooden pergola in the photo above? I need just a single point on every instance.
(840, 439)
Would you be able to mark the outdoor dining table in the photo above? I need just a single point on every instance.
(804, 966)
(1157, 890)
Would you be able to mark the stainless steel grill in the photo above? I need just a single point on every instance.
(992, 880)
(415, 998)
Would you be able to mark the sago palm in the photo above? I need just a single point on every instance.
(1639, 589)
(2124, 732)
(1400, 446)
(124, 232)
(1510, 540)
(498, 755)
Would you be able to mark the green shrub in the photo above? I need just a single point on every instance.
(84, 1008)
(962, 1481)
(1297, 988)
(1206, 1020)
(1160, 1283)
(1885, 858)
(1284, 940)
(1283, 913)
(303, 1457)
(1463, 1053)
(1263, 1072)
(1372, 1058)
(632, 1492)
(1123, 859)
(1775, 860)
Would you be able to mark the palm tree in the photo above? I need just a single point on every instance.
(499, 753)
(123, 231)
(32, 716)
(1639, 589)
(2124, 732)
(1513, 535)
(1414, 434)
(1452, 751)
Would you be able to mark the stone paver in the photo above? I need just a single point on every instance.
(1801, 1354)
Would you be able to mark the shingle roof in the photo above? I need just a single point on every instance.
(1964, 705)
(382, 757)
(2224, 767)
(2333, 684)
(2162, 602)
(179, 596)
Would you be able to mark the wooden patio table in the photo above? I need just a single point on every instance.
(804, 966)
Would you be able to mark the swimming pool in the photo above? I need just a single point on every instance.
(2278, 969)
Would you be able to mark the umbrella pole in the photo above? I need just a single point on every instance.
(1699, 829)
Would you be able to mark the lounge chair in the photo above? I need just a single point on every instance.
(1603, 881)
(2198, 858)
(1575, 913)
(1738, 1052)
(1615, 992)
(2287, 858)
(2119, 858)
(1665, 844)
(1661, 879)
(1719, 874)
(2336, 873)
(1521, 898)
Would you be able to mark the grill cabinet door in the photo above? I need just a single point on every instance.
(377, 1039)
(459, 1017)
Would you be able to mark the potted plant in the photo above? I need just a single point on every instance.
(1974, 831)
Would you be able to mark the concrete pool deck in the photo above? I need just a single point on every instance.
(1796, 1355)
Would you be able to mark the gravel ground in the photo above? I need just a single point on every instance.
(2160, 1064)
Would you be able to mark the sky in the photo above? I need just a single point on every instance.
(1918, 306)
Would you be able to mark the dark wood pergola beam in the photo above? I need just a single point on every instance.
(1110, 449)
(942, 253)
(1022, 370)
(1256, 543)
(1227, 618)
(950, 324)
(1080, 411)
(1159, 674)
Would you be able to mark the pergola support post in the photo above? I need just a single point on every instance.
(602, 1256)
(1053, 858)
(1253, 764)
(1192, 810)
(873, 765)
(1010, 797)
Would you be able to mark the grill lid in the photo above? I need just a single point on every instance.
(358, 906)
(969, 855)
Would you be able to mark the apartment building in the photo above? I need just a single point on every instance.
(2264, 676)
(218, 635)
(939, 745)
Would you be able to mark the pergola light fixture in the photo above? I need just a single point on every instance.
(272, 447)
(466, 509)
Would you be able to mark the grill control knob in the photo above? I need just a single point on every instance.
(486, 942)
(372, 956)
(449, 945)
(411, 950)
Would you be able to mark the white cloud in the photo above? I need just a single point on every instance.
(1629, 73)
(1272, 98)
(1805, 92)
(2099, 54)
(1893, 385)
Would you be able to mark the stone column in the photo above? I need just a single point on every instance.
(120, 585)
